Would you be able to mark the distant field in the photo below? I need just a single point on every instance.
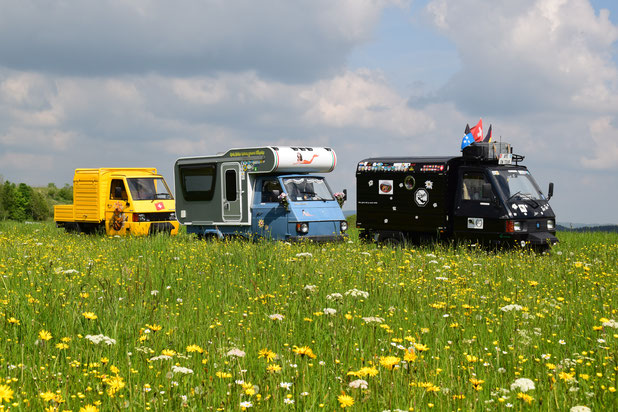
(98, 323)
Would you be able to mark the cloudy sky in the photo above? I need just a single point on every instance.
(92, 83)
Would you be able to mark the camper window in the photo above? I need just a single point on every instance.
(230, 185)
(271, 189)
(198, 181)
(474, 187)
(118, 190)
(302, 189)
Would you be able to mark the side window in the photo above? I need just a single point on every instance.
(230, 185)
(198, 181)
(476, 187)
(117, 190)
(271, 189)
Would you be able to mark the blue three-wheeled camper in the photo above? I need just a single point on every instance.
(270, 192)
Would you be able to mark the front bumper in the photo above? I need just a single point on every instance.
(151, 228)
(317, 239)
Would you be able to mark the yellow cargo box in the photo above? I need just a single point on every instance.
(120, 201)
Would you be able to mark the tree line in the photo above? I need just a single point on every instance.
(21, 202)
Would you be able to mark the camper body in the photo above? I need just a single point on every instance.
(121, 201)
(483, 196)
(270, 192)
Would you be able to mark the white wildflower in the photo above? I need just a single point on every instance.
(288, 401)
(357, 293)
(334, 296)
(276, 316)
(154, 292)
(523, 385)
(359, 384)
(371, 319)
(180, 369)
(285, 385)
(610, 324)
(304, 254)
(236, 352)
(509, 308)
(330, 311)
(580, 408)
(160, 357)
(246, 404)
(310, 288)
(96, 339)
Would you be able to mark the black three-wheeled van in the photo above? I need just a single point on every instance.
(482, 196)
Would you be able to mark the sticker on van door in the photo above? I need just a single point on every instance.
(385, 187)
(421, 197)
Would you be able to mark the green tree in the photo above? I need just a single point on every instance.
(40, 206)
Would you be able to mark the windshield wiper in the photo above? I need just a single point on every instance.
(526, 197)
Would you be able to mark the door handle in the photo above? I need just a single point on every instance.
(226, 205)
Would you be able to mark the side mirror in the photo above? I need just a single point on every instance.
(345, 194)
(550, 191)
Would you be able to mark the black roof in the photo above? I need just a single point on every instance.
(411, 159)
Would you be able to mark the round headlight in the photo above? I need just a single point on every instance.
(344, 226)
(302, 228)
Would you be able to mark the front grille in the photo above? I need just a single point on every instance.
(158, 217)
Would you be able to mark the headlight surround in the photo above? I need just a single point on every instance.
(344, 225)
(139, 217)
(173, 216)
(302, 228)
(551, 225)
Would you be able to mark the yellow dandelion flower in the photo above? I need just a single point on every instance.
(304, 351)
(272, 368)
(389, 362)
(345, 400)
(61, 346)
(89, 408)
(114, 384)
(6, 393)
(410, 356)
(525, 397)
(223, 375)
(154, 327)
(45, 335)
(168, 352)
(420, 347)
(48, 396)
(566, 376)
(368, 371)
(195, 348)
(267, 353)
(13, 321)
(89, 315)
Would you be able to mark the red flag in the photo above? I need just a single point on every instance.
(477, 131)
(160, 206)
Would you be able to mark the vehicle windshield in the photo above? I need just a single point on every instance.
(516, 183)
(302, 189)
(149, 188)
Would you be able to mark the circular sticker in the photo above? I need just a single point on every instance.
(409, 182)
(421, 197)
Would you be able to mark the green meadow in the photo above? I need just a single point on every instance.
(90, 322)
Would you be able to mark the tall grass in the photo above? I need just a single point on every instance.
(276, 326)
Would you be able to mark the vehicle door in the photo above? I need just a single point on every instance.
(116, 209)
(477, 208)
(231, 192)
(270, 217)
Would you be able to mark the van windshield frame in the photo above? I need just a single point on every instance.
(307, 189)
(516, 183)
(149, 188)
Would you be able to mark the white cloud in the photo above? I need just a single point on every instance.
(296, 40)
(605, 137)
(531, 55)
